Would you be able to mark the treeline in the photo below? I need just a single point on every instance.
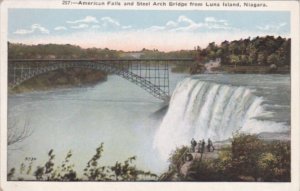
(57, 51)
(246, 159)
(67, 51)
(61, 78)
(266, 50)
(146, 53)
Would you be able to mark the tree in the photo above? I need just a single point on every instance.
(284, 52)
(277, 161)
(233, 47)
(261, 58)
(273, 59)
(246, 151)
(93, 170)
(244, 59)
(17, 134)
(177, 157)
(252, 51)
(234, 59)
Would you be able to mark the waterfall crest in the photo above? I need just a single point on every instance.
(202, 110)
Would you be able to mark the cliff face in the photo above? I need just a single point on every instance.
(72, 77)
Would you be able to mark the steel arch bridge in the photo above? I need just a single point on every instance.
(150, 74)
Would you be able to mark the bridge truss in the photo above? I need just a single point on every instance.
(150, 74)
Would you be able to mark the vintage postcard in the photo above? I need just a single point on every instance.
(143, 95)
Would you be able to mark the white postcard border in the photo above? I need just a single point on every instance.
(292, 6)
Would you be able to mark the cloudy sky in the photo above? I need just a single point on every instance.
(134, 30)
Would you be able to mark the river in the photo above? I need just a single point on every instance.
(120, 114)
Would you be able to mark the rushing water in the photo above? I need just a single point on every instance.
(119, 114)
(216, 106)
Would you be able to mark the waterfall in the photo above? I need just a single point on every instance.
(202, 110)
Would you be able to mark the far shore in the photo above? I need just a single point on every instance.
(73, 77)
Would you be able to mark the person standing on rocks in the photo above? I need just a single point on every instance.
(210, 145)
(193, 145)
(203, 146)
(199, 145)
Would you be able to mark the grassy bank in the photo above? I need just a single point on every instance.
(252, 69)
(62, 78)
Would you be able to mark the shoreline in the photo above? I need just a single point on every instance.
(60, 79)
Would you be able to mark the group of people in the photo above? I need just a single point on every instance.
(200, 146)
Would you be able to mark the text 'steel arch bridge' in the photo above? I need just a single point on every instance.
(150, 74)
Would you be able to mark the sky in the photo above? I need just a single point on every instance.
(133, 30)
